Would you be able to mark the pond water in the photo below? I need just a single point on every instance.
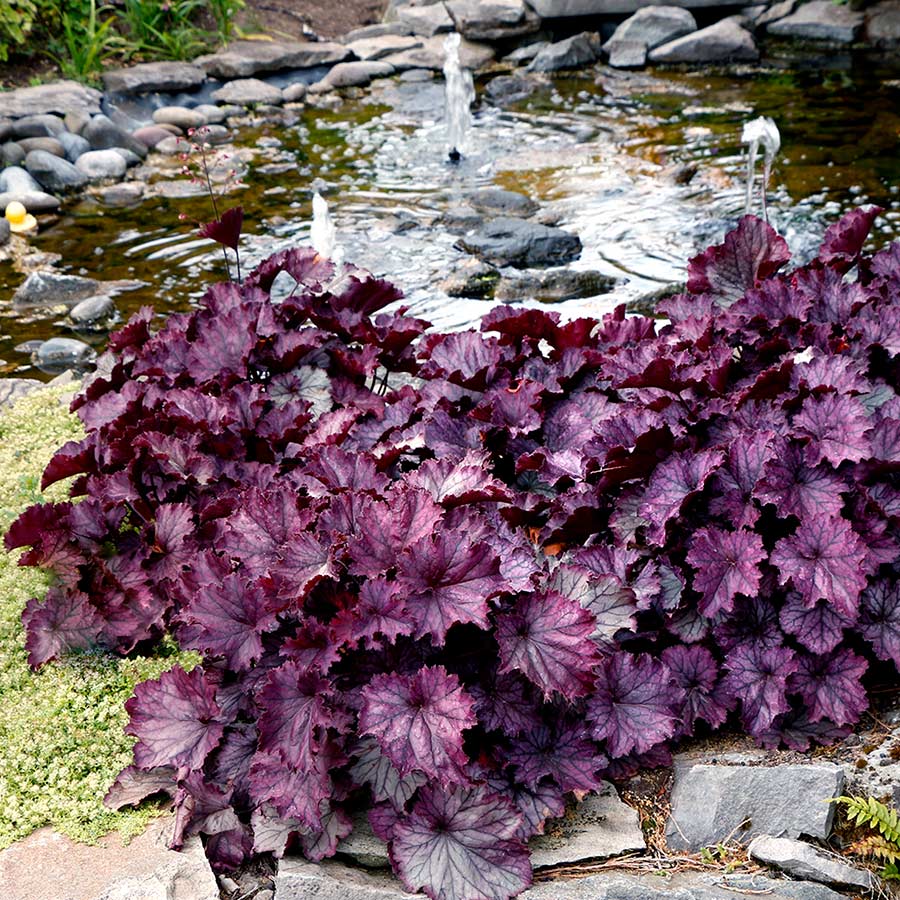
(606, 153)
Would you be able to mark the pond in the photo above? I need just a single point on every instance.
(609, 155)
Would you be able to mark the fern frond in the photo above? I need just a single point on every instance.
(871, 813)
(875, 846)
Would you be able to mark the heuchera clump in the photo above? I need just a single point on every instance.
(454, 578)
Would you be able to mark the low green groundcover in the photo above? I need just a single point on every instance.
(61, 729)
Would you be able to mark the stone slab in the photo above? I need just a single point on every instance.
(654, 25)
(48, 866)
(155, 76)
(820, 20)
(710, 803)
(598, 828)
(430, 55)
(552, 9)
(63, 97)
(301, 880)
(244, 58)
(802, 860)
(385, 45)
(725, 41)
(492, 20)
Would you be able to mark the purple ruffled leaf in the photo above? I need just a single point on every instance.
(879, 620)
(727, 564)
(831, 686)
(758, 678)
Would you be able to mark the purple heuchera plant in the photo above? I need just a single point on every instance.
(454, 578)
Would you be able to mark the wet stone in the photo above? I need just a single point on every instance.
(248, 92)
(131, 159)
(93, 310)
(4, 231)
(125, 194)
(216, 134)
(353, 74)
(724, 41)
(151, 135)
(214, 115)
(472, 278)
(180, 116)
(155, 76)
(103, 134)
(553, 286)
(497, 201)
(11, 154)
(50, 288)
(653, 26)
(506, 241)
(52, 173)
(73, 144)
(101, 165)
(33, 201)
(47, 144)
(571, 53)
(38, 126)
(820, 20)
(59, 352)
(508, 89)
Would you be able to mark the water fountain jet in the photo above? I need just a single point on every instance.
(762, 131)
(322, 232)
(459, 96)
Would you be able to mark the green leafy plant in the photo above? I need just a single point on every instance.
(223, 13)
(86, 42)
(16, 21)
(883, 841)
(168, 30)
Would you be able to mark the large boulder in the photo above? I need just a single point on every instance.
(243, 58)
(492, 20)
(155, 76)
(571, 53)
(506, 241)
(820, 20)
(711, 803)
(725, 41)
(54, 174)
(383, 45)
(653, 26)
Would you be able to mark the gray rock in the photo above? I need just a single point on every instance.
(11, 154)
(599, 827)
(101, 165)
(883, 24)
(11, 389)
(499, 202)
(103, 134)
(54, 174)
(73, 144)
(431, 55)
(248, 92)
(379, 47)
(571, 53)
(820, 20)
(508, 89)
(215, 134)
(775, 12)
(353, 74)
(294, 93)
(371, 31)
(49, 288)
(15, 179)
(49, 144)
(44, 125)
(514, 242)
(93, 311)
(416, 76)
(131, 159)
(525, 53)
(554, 286)
(33, 201)
(492, 20)
(63, 352)
(363, 845)
(125, 194)
(653, 26)
(6, 130)
(710, 803)
(154, 76)
(458, 219)
(802, 860)
(425, 21)
(553, 9)
(4, 231)
(724, 41)
(626, 54)
(214, 115)
(298, 879)
(60, 97)
(180, 116)
(243, 58)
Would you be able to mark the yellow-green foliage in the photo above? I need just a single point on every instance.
(61, 729)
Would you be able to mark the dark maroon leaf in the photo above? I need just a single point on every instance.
(844, 240)
(758, 678)
(225, 230)
(563, 752)
(727, 564)
(837, 428)
(64, 621)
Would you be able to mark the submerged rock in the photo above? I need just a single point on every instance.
(473, 278)
(514, 242)
(505, 90)
(93, 311)
(498, 201)
(58, 353)
(49, 288)
(553, 286)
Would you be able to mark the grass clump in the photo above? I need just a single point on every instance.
(61, 729)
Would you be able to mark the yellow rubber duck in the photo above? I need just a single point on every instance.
(19, 218)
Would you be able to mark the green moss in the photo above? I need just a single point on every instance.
(61, 729)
